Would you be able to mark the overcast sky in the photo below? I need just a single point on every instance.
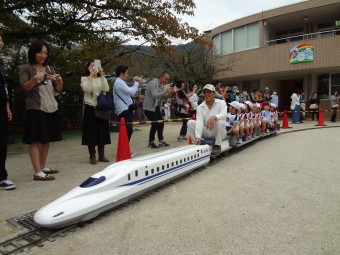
(212, 13)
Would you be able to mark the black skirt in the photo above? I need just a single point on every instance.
(41, 127)
(95, 131)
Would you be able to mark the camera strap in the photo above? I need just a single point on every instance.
(119, 96)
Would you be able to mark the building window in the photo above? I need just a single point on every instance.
(335, 83)
(217, 45)
(323, 86)
(237, 39)
(252, 36)
(327, 83)
(227, 42)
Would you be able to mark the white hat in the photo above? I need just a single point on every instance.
(243, 106)
(235, 88)
(235, 104)
(249, 103)
(209, 87)
(273, 105)
(257, 105)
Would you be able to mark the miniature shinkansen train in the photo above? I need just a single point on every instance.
(123, 181)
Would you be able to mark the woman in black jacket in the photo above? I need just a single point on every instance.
(314, 103)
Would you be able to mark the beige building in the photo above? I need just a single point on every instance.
(291, 47)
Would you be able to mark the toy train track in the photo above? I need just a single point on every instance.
(38, 234)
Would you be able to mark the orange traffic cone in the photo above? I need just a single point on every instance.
(321, 121)
(194, 118)
(123, 148)
(285, 120)
(190, 141)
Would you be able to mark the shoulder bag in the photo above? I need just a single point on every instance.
(102, 114)
(105, 101)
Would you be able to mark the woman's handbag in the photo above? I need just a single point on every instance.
(102, 114)
(313, 106)
(105, 101)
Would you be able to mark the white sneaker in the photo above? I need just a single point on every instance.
(7, 184)
(239, 141)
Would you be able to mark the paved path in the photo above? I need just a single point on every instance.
(278, 196)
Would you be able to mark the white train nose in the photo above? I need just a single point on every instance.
(47, 217)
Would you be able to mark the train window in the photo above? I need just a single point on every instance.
(162, 167)
(188, 158)
(167, 165)
(157, 169)
(185, 160)
(146, 173)
(136, 173)
(195, 156)
(181, 161)
(198, 155)
(152, 171)
(191, 157)
(172, 163)
(129, 177)
(90, 182)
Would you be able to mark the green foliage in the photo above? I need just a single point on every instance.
(81, 30)
(65, 22)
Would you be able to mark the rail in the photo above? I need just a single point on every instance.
(309, 36)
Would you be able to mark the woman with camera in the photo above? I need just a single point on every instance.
(42, 121)
(96, 131)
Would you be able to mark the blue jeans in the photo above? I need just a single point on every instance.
(296, 114)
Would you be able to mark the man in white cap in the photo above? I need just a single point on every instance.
(210, 120)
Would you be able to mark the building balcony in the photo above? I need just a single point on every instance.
(299, 37)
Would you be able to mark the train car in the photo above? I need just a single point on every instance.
(119, 183)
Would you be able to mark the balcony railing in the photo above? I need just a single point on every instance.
(299, 37)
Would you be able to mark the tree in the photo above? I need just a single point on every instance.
(81, 30)
(193, 62)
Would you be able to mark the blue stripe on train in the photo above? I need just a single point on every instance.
(170, 170)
